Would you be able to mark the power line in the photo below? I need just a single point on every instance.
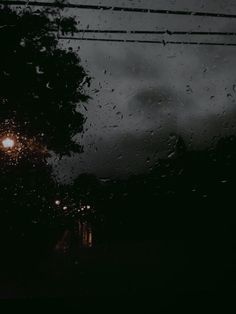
(147, 41)
(166, 32)
(114, 8)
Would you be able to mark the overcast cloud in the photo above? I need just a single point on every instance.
(147, 92)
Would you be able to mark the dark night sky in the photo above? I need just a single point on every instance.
(148, 91)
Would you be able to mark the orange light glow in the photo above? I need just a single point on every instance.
(8, 143)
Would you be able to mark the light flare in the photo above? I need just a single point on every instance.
(8, 143)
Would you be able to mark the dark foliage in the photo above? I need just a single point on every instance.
(184, 210)
(41, 88)
(41, 83)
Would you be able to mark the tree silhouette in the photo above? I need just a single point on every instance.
(41, 83)
(41, 88)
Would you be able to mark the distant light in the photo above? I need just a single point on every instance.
(57, 202)
(8, 142)
(65, 208)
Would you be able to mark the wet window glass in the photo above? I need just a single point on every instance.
(118, 150)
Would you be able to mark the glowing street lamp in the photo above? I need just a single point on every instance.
(8, 143)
